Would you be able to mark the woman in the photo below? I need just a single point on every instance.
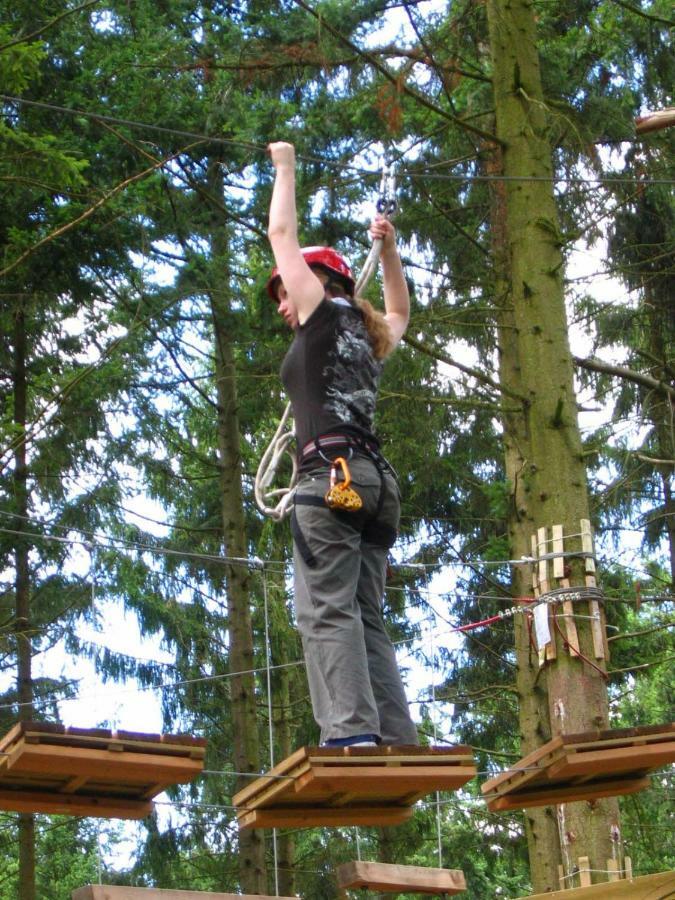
(340, 555)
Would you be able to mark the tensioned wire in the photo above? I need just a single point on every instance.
(95, 541)
(108, 542)
(163, 686)
(328, 163)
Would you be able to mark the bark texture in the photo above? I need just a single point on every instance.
(22, 593)
(252, 871)
(543, 447)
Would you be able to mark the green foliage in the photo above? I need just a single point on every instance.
(122, 388)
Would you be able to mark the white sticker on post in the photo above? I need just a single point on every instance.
(541, 625)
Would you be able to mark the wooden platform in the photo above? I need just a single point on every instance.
(393, 878)
(351, 785)
(660, 886)
(118, 892)
(583, 767)
(48, 768)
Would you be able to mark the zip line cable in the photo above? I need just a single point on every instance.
(333, 164)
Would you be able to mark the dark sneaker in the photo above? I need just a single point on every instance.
(356, 740)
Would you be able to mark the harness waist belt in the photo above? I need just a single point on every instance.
(328, 441)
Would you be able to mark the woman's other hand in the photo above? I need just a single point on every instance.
(382, 229)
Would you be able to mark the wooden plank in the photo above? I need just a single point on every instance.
(612, 736)
(547, 796)
(119, 892)
(382, 782)
(613, 873)
(379, 756)
(12, 735)
(558, 548)
(310, 817)
(659, 886)
(74, 784)
(542, 564)
(144, 768)
(385, 877)
(584, 865)
(535, 555)
(267, 788)
(537, 758)
(587, 545)
(619, 759)
(551, 647)
(597, 629)
(570, 628)
(55, 733)
(73, 805)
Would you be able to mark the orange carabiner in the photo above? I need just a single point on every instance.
(340, 495)
(346, 474)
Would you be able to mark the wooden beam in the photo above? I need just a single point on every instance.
(369, 781)
(646, 887)
(73, 805)
(316, 816)
(619, 759)
(385, 877)
(547, 796)
(101, 765)
(584, 865)
(118, 892)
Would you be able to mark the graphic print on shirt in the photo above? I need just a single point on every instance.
(352, 376)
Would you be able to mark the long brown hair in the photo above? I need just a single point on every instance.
(379, 333)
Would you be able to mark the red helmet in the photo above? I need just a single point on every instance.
(316, 256)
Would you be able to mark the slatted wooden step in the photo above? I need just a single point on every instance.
(385, 877)
(118, 892)
(50, 768)
(351, 785)
(660, 886)
(583, 766)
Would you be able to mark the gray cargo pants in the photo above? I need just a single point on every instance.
(340, 569)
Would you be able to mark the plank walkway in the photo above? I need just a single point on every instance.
(48, 768)
(318, 786)
(660, 886)
(118, 892)
(394, 878)
(583, 766)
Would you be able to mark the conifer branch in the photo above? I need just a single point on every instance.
(593, 364)
(393, 77)
(24, 39)
(440, 356)
(58, 232)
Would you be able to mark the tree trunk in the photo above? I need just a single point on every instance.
(541, 828)
(659, 410)
(22, 592)
(238, 579)
(281, 707)
(543, 445)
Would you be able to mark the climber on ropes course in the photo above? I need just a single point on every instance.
(346, 504)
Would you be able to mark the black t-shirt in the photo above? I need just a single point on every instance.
(331, 374)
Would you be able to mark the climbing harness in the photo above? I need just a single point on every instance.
(340, 494)
(277, 502)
